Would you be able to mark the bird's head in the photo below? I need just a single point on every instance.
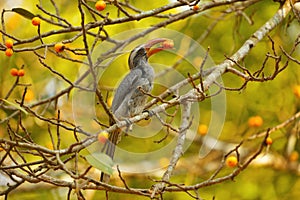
(144, 51)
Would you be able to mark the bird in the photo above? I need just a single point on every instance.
(131, 95)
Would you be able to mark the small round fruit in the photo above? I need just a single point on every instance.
(21, 72)
(49, 145)
(202, 129)
(231, 161)
(296, 90)
(100, 5)
(168, 44)
(109, 101)
(269, 141)
(9, 52)
(196, 7)
(9, 43)
(36, 21)
(255, 121)
(59, 47)
(14, 72)
(103, 136)
(294, 156)
(29, 95)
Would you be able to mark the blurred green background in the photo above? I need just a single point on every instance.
(274, 101)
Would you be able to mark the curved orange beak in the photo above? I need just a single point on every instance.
(163, 43)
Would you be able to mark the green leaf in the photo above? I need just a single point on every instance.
(15, 105)
(24, 13)
(101, 161)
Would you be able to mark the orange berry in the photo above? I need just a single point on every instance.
(59, 47)
(21, 72)
(231, 161)
(168, 44)
(14, 72)
(36, 21)
(100, 5)
(9, 43)
(294, 156)
(9, 52)
(296, 90)
(196, 7)
(269, 141)
(49, 145)
(255, 121)
(103, 136)
(202, 129)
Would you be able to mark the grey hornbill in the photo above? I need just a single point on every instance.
(130, 97)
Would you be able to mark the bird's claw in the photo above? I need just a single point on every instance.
(128, 125)
(150, 114)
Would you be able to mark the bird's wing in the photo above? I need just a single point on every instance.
(126, 87)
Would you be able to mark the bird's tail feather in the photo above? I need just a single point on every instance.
(109, 149)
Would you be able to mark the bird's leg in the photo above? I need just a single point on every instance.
(128, 126)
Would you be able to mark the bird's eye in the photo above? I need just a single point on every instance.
(135, 56)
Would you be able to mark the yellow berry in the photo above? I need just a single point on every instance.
(59, 47)
(231, 161)
(100, 5)
(29, 95)
(9, 43)
(269, 141)
(202, 129)
(296, 90)
(255, 121)
(49, 145)
(9, 52)
(36, 21)
(109, 101)
(103, 136)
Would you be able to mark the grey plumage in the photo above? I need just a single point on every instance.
(129, 100)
